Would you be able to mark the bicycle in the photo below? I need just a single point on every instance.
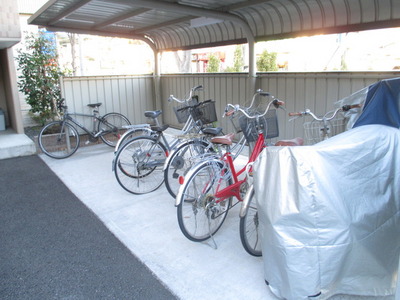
(181, 113)
(60, 139)
(187, 153)
(138, 164)
(249, 221)
(322, 128)
(205, 196)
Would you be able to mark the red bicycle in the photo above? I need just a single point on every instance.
(206, 194)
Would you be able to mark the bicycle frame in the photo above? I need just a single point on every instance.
(234, 189)
(67, 117)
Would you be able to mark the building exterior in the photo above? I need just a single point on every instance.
(10, 34)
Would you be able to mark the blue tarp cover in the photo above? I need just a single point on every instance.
(382, 104)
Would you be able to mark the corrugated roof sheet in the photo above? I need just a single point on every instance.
(171, 25)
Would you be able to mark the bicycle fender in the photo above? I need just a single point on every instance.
(194, 169)
(130, 131)
(177, 148)
(171, 154)
(245, 202)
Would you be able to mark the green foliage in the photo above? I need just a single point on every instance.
(267, 62)
(213, 64)
(40, 79)
(238, 63)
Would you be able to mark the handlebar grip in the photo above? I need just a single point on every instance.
(348, 107)
(199, 87)
(278, 103)
(295, 114)
(264, 94)
(229, 113)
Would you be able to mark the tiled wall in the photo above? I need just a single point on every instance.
(9, 20)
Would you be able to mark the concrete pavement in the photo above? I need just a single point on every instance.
(147, 225)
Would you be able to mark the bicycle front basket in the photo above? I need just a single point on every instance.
(205, 112)
(268, 124)
(183, 114)
(314, 130)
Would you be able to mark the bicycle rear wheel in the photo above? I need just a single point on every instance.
(132, 133)
(200, 214)
(180, 162)
(113, 126)
(58, 139)
(249, 228)
(138, 165)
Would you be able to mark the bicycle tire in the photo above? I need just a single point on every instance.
(199, 216)
(181, 160)
(112, 124)
(249, 228)
(138, 165)
(54, 143)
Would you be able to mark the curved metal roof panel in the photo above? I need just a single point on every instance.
(186, 24)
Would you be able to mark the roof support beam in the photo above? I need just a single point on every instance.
(104, 33)
(117, 19)
(161, 25)
(202, 12)
(67, 12)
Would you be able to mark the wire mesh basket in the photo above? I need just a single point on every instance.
(183, 114)
(268, 124)
(205, 112)
(316, 131)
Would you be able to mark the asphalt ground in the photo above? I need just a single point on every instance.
(53, 247)
(84, 237)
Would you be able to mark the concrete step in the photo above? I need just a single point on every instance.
(13, 144)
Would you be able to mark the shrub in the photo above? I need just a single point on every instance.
(40, 76)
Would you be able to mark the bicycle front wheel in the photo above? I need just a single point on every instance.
(112, 126)
(200, 213)
(138, 165)
(58, 139)
(249, 228)
(180, 162)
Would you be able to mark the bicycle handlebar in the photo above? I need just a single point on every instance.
(192, 90)
(275, 101)
(60, 104)
(309, 112)
(193, 106)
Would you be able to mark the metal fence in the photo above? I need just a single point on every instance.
(132, 95)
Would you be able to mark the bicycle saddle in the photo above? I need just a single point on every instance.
(212, 131)
(152, 113)
(224, 140)
(293, 142)
(93, 105)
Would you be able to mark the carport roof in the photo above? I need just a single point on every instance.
(188, 24)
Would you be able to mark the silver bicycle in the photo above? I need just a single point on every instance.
(138, 163)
